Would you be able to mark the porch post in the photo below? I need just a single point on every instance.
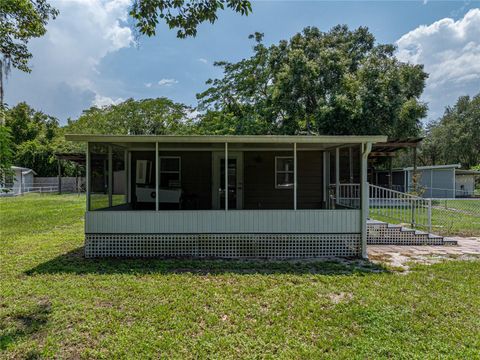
(366, 148)
(350, 163)
(337, 174)
(157, 180)
(125, 167)
(110, 176)
(294, 176)
(326, 178)
(226, 176)
(87, 175)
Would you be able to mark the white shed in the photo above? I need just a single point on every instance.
(21, 181)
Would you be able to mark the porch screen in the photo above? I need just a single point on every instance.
(98, 176)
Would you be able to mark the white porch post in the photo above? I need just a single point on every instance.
(125, 167)
(110, 176)
(157, 173)
(294, 176)
(350, 163)
(366, 148)
(226, 176)
(337, 174)
(87, 174)
(326, 178)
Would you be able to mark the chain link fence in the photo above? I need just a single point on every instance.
(456, 217)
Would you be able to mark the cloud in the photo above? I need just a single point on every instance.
(450, 51)
(203, 60)
(148, 85)
(101, 101)
(70, 53)
(167, 82)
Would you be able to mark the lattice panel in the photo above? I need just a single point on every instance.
(238, 246)
(382, 234)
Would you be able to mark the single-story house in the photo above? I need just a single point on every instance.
(436, 181)
(19, 182)
(226, 196)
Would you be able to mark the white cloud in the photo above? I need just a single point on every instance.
(450, 51)
(203, 60)
(148, 85)
(69, 54)
(101, 101)
(167, 82)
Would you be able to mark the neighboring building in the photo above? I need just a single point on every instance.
(226, 196)
(436, 181)
(20, 181)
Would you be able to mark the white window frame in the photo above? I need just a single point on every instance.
(179, 172)
(284, 187)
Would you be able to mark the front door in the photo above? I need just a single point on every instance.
(235, 180)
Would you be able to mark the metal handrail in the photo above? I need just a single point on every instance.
(402, 207)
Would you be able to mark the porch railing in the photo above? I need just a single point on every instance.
(390, 205)
(385, 204)
(348, 196)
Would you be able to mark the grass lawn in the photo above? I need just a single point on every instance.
(55, 303)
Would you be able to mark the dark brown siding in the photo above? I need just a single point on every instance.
(196, 178)
(259, 181)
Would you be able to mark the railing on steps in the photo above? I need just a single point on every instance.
(395, 206)
(385, 204)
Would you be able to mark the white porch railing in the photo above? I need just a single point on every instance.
(385, 204)
(388, 205)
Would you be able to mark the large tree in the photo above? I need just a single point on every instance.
(336, 82)
(20, 21)
(183, 15)
(159, 116)
(455, 137)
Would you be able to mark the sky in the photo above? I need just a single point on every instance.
(91, 56)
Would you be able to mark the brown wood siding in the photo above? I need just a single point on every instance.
(196, 178)
(259, 181)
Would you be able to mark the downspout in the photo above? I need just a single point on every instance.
(366, 149)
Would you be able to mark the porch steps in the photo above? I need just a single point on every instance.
(382, 233)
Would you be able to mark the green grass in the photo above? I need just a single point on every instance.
(55, 303)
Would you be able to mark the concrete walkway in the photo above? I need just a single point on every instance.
(399, 256)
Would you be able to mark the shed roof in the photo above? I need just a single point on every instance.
(434, 167)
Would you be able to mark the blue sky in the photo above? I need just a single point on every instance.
(89, 56)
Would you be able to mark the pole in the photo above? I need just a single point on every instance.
(366, 148)
(59, 167)
(294, 176)
(226, 177)
(87, 175)
(110, 176)
(157, 180)
(337, 174)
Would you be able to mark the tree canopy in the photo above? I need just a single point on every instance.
(183, 15)
(20, 21)
(159, 116)
(336, 82)
(455, 137)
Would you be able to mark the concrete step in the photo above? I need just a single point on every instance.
(382, 233)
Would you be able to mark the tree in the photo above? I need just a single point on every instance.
(6, 154)
(137, 117)
(455, 137)
(337, 82)
(183, 15)
(20, 20)
(35, 137)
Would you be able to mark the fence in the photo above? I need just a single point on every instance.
(456, 216)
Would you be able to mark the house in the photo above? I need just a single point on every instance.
(21, 181)
(436, 181)
(226, 196)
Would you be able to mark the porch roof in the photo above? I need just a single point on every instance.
(239, 139)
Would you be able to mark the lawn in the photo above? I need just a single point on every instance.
(55, 303)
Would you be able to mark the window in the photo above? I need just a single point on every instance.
(283, 172)
(170, 171)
